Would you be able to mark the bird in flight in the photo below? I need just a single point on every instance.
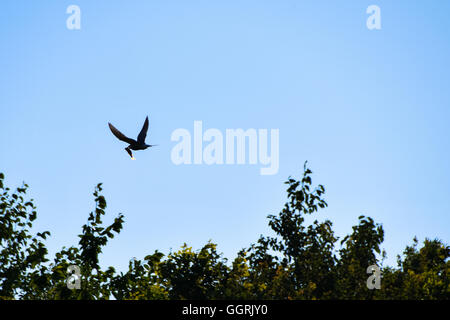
(138, 144)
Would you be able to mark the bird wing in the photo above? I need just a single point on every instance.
(119, 135)
(143, 133)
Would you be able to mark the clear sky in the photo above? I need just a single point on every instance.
(369, 110)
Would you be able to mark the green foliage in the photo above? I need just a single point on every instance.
(24, 271)
(194, 275)
(300, 261)
(307, 250)
(358, 252)
(141, 282)
(20, 251)
(422, 274)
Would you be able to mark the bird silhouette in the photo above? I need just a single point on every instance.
(138, 144)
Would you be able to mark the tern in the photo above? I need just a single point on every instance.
(138, 144)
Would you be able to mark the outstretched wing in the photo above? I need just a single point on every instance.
(143, 133)
(119, 135)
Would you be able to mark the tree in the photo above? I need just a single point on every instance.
(142, 281)
(20, 251)
(307, 251)
(24, 271)
(358, 253)
(194, 275)
(422, 274)
(299, 261)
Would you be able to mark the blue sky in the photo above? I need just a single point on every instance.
(369, 110)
